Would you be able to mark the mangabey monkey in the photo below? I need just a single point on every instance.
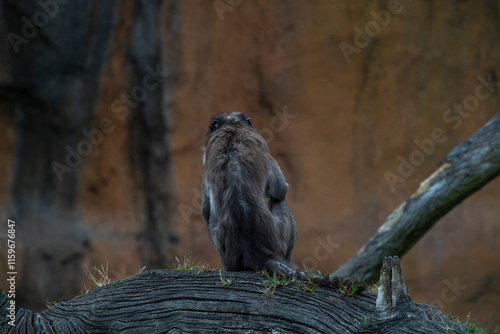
(239, 174)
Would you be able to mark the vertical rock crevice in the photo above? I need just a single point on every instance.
(150, 146)
(57, 68)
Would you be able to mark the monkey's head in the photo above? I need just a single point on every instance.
(234, 119)
(223, 124)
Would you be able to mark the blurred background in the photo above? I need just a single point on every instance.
(104, 107)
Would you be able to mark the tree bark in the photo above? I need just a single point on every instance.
(177, 301)
(464, 170)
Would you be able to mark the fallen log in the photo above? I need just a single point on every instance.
(189, 301)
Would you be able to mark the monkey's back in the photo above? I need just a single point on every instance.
(239, 158)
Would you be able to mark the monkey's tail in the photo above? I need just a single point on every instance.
(343, 284)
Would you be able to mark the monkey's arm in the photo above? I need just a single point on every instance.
(276, 186)
(283, 217)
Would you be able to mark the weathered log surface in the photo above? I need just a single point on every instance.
(464, 170)
(177, 301)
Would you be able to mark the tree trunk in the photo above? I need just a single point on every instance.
(464, 170)
(176, 301)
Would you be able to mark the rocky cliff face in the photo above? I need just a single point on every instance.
(105, 105)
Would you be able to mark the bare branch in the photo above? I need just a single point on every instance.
(464, 170)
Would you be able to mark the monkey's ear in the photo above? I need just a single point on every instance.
(248, 121)
(214, 125)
